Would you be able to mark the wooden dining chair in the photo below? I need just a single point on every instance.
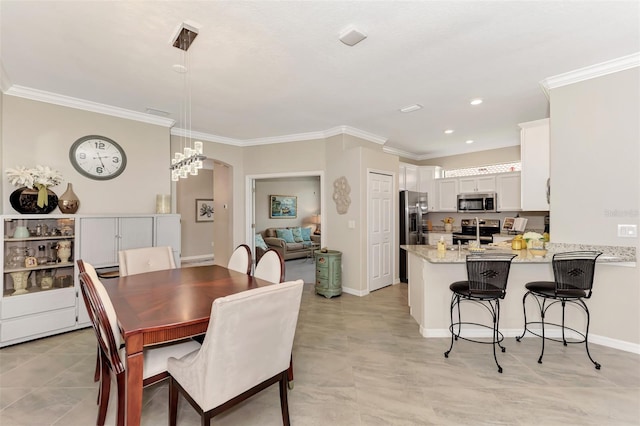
(241, 259)
(257, 321)
(270, 267)
(145, 259)
(105, 325)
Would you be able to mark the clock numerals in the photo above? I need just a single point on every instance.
(99, 170)
(115, 160)
(100, 145)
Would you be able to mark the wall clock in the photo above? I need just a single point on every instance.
(97, 157)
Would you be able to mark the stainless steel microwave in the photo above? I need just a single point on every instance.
(477, 202)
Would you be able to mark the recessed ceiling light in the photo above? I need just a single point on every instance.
(476, 101)
(448, 131)
(469, 141)
(351, 36)
(411, 108)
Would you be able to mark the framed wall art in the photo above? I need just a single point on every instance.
(283, 206)
(204, 210)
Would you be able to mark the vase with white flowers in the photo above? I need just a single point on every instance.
(535, 243)
(33, 194)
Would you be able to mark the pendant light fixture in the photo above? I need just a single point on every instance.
(190, 159)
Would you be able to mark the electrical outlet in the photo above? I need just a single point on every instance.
(628, 231)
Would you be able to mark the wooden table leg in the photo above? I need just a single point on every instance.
(134, 380)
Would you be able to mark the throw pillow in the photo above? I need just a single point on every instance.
(297, 234)
(306, 234)
(285, 234)
(260, 242)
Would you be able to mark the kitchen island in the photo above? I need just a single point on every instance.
(431, 272)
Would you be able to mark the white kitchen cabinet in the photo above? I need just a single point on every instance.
(408, 177)
(477, 184)
(102, 237)
(447, 195)
(534, 156)
(508, 191)
(427, 176)
(434, 237)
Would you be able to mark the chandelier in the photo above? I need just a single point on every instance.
(190, 159)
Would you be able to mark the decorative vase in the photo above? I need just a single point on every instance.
(68, 202)
(20, 282)
(21, 232)
(448, 227)
(25, 200)
(64, 251)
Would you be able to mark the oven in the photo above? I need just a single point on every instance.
(469, 231)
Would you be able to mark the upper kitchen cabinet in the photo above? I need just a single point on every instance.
(534, 155)
(427, 176)
(509, 191)
(447, 195)
(408, 177)
(477, 184)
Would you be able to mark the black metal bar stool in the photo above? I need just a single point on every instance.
(573, 275)
(486, 284)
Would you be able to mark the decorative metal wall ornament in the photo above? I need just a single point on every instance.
(341, 190)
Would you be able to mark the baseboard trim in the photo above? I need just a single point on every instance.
(355, 292)
(483, 333)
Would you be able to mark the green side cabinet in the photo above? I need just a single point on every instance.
(328, 273)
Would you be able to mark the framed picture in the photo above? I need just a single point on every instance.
(283, 206)
(204, 210)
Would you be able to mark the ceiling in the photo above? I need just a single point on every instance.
(270, 71)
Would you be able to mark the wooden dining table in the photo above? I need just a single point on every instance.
(165, 306)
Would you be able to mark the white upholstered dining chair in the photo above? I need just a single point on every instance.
(146, 259)
(240, 259)
(257, 321)
(270, 267)
(105, 325)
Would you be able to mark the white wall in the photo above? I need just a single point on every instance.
(595, 184)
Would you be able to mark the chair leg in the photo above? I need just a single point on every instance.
(120, 381)
(542, 312)
(454, 299)
(284, 403)
(524, 310)
(103, 394)
(564, 339)
(173, 402)
(586, 334)
(496, 319)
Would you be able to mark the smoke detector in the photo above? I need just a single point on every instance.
(352, 36)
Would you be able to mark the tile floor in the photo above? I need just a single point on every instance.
(358, 361)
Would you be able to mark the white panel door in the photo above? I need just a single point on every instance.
(381, 197)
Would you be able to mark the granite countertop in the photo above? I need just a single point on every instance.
(610, 254)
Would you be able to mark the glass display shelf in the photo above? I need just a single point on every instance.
(43, 238)
(8, 270)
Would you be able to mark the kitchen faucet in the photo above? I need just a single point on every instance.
(478, 232)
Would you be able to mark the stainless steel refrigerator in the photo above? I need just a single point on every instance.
(413, 214)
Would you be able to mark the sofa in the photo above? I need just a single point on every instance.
(298, 245)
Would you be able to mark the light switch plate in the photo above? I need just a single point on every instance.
(628, 231)
(352, 224)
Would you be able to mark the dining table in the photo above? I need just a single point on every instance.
(166, 306)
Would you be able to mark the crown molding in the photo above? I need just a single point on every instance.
(401, 153)
(352, 131)
(68, 101)
(177, 131)
(593, 71)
